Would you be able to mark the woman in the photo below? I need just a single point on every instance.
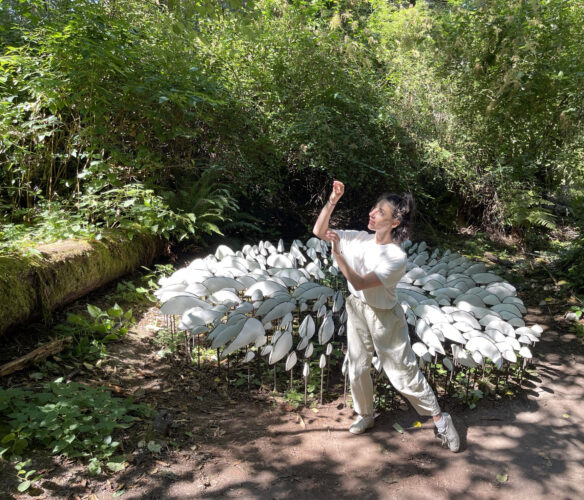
(373, 264)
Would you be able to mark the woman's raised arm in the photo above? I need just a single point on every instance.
(321, 225)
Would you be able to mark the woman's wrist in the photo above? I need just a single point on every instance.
(331, 203)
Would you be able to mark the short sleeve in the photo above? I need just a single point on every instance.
(391, 267)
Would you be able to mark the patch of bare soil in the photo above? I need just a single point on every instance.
(225, 442)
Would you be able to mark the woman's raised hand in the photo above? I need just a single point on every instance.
(333, 237)
(338, 190)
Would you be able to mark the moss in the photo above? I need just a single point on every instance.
(66, 271)
(18, 291)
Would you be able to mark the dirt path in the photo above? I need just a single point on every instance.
(229, 445)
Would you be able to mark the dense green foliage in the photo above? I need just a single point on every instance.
(180, 115)
(62, 418)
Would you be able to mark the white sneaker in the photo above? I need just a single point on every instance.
(449, 436)
(362, 423)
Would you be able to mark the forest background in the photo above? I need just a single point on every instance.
(191, 118)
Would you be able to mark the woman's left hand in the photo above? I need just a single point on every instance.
(335, 239)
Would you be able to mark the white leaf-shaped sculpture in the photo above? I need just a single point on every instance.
(198, 317)
(267, 349)
(376, 362)
(507, 351)
(300, 289)
(495, 335)
(517, 302)
(307, 327)
(303, 343)
(164, 293)
(478, 358)
(322, 361)
(216, 283)
(427, 336)
(502, 326)
(463, 357)
(421, 351)
(477, 268)
(317, 292)
(319, 302)
(448, 364)
(462, 327)
(222, 251)
(486, 278)
(465, 317)
(291, 360)
(267, 287)
(309, 350)
(448, 292)
(440, 279)
(261, 341)
(306, 370)
(251, 330)
(281, 348)
(249, 356)
(267, 305)
(430, 314)
(279, 260)
(243, 308)
(326, 330)
(450, 332)
(329, 349)
(227, 333)
(485, 346)
(502, 290)
(512, 308)
(225, 297)
(182, 302)
(198, 289)
(470, 298)
(338, 302)
(279, 311)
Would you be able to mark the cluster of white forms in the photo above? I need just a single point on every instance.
(274, 300)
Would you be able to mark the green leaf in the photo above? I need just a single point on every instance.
(116, 466)
(94, 467)
(8, 438)
(25, 485)
(19, 446)
(154, 447)
(502, 478)
(116, 311)
(94, 311)
(398, 428)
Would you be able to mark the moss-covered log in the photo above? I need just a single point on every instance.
(66, 270)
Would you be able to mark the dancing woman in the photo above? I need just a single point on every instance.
(373, 263)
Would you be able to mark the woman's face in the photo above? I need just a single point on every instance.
(381, 217)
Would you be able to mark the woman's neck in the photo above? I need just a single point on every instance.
(383, 237)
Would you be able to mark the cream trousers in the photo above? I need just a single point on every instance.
(385, 332)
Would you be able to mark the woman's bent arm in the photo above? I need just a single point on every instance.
(321, 225)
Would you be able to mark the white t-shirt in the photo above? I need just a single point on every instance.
(387, 261)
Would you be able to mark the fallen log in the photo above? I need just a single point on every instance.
(61, 272)
(39, 354)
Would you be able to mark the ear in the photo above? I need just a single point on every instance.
(394, 223)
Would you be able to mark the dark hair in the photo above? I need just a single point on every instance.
(402, 208)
